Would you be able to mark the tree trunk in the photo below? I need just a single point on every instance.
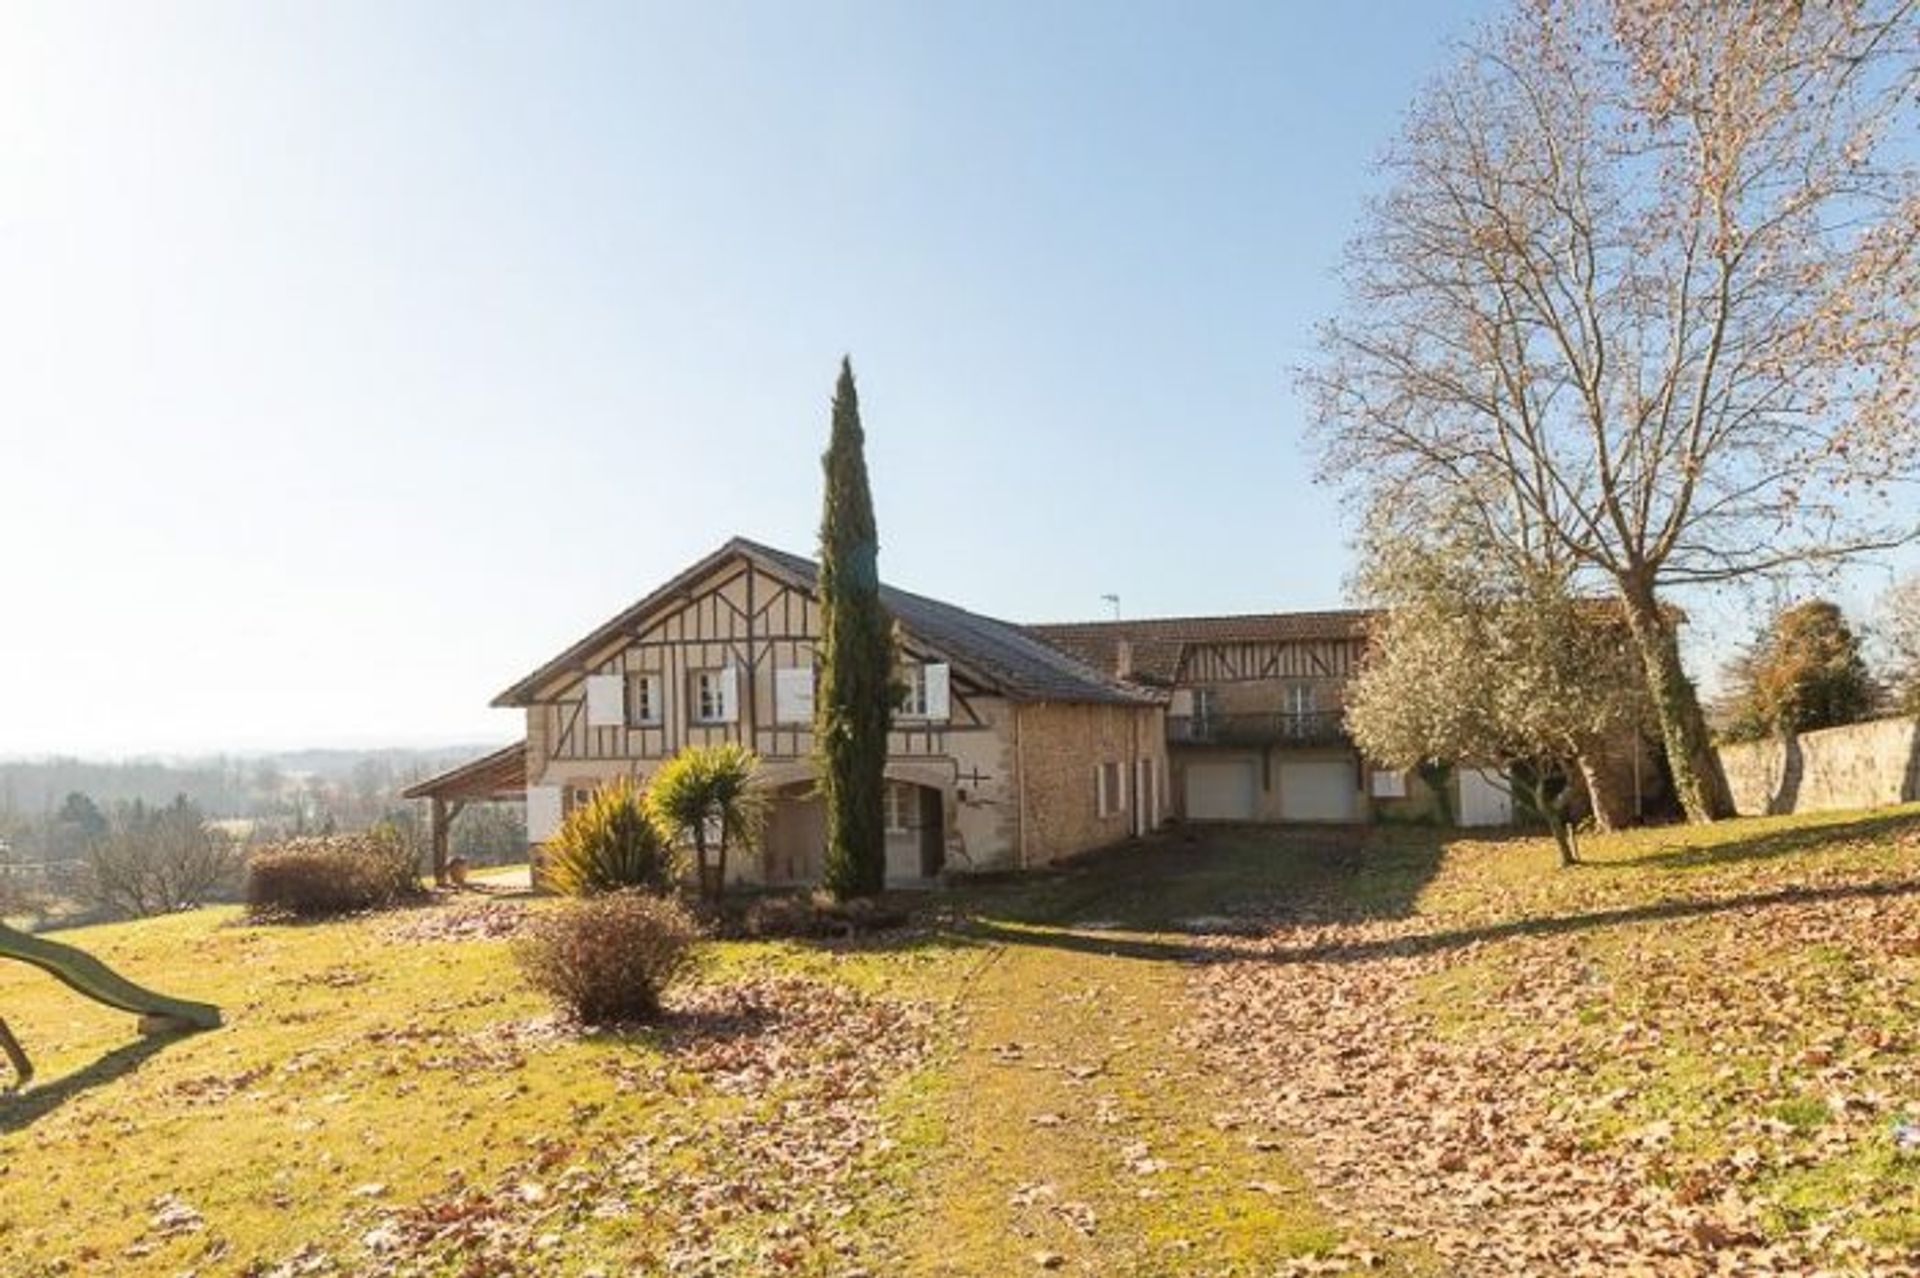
(700, 866)
(1697, 780)
(1552, 813)
(1611, 809)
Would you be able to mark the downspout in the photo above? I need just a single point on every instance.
(1019, 793)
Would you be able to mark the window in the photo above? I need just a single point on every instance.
(1299, 698)
(1109, 790)
(1206, 703)
(928, 692)
(900, 802)
(713, 696)
(913, 703)
(643, 700)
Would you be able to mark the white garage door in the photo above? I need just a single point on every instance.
(1484, 799)
(1318, 790)
(1220, 791)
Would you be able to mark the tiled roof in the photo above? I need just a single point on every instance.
(1159, 644)
(1005, 654)
(997, 654)
(501, 774)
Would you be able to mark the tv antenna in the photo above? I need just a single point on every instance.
(1115, 601)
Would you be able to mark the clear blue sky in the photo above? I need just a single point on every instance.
(354, 358)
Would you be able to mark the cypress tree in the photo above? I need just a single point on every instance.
(855, 704)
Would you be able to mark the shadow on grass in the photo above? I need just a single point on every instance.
(22, 1109)
(1423, 943)
(1153, 884)
(1701, 847)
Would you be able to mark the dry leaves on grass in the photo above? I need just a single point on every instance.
(760, 1183)
(1619, 1097)
(458, 919)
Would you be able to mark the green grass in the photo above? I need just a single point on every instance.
(1761, 965)
(1058, 1110)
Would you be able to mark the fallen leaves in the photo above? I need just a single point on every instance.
(1642, 1076)
(757, 1185)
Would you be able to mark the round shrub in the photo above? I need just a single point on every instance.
(608, 844)
(608, 958)
(335, 874)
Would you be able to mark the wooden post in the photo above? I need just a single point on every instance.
(439, 826)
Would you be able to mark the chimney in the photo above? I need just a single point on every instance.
(1123, 659)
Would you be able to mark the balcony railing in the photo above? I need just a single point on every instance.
(1321, 727)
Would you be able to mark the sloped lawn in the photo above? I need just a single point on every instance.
(1253, 1053)
(387, 1097)
(1695, 1056)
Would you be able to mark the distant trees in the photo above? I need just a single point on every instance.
(1900, 635)
(156, 860)
(1510, 674)
(1803, 672)
(854, 709)
(1640, 301)
(77, 826)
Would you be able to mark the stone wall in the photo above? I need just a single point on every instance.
(1863, 765)
(1059, 747)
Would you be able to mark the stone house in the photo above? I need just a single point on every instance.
(1256, 728)
(1255, 712)
(1007, 752)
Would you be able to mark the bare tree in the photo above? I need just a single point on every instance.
(1900, 639)
(1640, 297)
(155, 860)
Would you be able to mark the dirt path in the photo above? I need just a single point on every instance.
(1080, 1136)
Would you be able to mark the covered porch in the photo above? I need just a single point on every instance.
(919, 805)
(500, 777)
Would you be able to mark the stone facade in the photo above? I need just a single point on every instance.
(1862, 765)
(1060, 750)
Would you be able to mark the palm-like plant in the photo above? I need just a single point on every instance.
(709, 797)
(609, 843)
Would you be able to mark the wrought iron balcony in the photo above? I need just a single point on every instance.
(1318, 728)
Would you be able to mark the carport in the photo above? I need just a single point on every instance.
(500, 777)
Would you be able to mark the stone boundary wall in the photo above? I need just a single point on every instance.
(1863, 765)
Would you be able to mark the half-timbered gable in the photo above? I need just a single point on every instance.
(1256, 708)
(726, 651)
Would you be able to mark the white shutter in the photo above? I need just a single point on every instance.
(939, 690)
(606, 701)
(1182, 706)
(793, 695)
(543, 812)
(729, 680)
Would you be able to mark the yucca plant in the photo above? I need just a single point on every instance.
(709, 798)
(607, 844)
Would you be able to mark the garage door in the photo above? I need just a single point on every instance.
(1484, 799)
(1220, 791)
(1318, 790)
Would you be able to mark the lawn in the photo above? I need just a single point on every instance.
(1250, 1053)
